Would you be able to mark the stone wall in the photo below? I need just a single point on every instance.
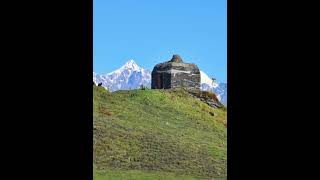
(175, 74)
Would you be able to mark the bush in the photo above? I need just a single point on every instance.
(142, 87)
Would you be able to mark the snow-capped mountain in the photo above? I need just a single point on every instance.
(220, 89)
(131, 76)
(221, 92)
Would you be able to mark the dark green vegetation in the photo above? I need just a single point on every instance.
(157, 134)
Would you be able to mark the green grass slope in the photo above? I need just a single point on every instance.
(157, 134)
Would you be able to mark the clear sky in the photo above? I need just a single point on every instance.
(151, 31)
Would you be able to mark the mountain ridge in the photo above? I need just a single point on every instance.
(132, 76)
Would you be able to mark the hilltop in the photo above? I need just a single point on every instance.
(131, 76)
(153, 134)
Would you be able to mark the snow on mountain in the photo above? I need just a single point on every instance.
(130, 65)
(206, 80)
(220, 89)
(221, 92)
(131, 76)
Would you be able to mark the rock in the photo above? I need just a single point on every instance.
(211, 102)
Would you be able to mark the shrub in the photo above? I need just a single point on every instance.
(142, 87)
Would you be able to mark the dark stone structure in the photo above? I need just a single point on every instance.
(175, 74)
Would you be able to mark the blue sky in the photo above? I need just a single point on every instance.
(151, 31)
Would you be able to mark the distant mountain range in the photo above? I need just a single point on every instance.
(131, 76)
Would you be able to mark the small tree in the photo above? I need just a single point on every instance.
(213, 80)
(142, 87)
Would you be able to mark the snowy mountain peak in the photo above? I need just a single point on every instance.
(205, 79)
(131, 64)
(129, 76)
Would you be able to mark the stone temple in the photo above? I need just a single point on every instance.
(176, 74)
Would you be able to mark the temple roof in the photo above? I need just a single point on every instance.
(176, 58)
(176, 63)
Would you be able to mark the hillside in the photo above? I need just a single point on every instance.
(154, 134)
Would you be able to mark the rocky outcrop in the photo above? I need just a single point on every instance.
(175, 74)
(208, 98)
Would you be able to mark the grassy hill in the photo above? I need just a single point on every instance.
(157, 134)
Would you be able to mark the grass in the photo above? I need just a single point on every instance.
(157, 134)
(144, 175)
